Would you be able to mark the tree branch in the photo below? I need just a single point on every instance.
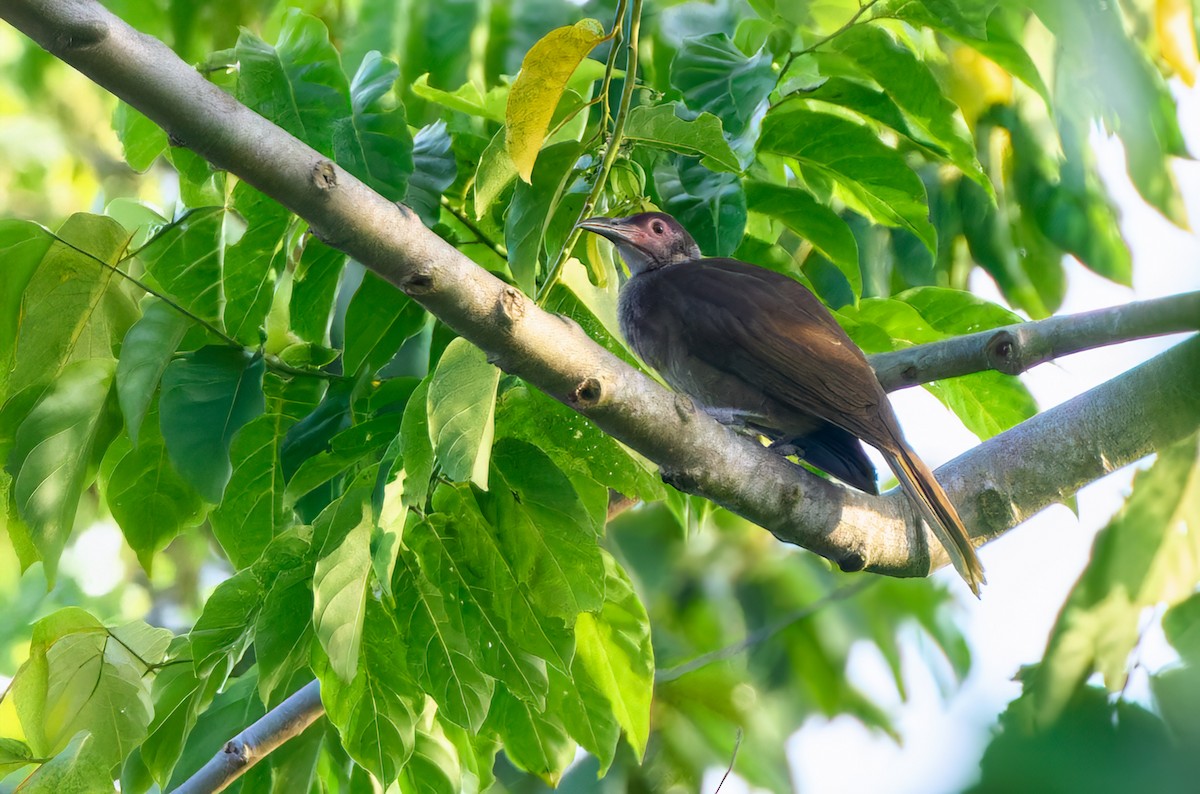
(285, 721)
(1014, 349)
(996, 485)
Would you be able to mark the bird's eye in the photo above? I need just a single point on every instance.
(658, 227)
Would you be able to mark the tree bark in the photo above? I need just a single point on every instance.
(996, 485)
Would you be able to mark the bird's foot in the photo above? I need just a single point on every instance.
(787, 447)
(730, 417)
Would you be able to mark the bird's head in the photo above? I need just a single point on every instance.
(646, 241)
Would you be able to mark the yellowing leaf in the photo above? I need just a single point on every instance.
(545, 71)
(1177, 37)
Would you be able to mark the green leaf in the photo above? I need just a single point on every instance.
(376, 713)
(298, 84)
(23, 246)
(534, 741)
(207, 396)
(252, 510)
(380, 317)
(223, 631)
(559, 432)
(72, 307)
(715, 76)
(366, 439)
(149, 500)
(702, 136)
(461, 404)
(283, 627)
(14, 754)
(467, 98)
(544, 531)
(141, 139)
(1146, 555)
(340, 596)
(1181, 625)
(81, 768)
(81, 676)
(496, 172)
(187, 260)
(434, 171)
(910, 83)
(710, 205)
(147, 350)
(871, 174)
(441, 654)
(231, 711)
(179, 697)
(531, 209)
(52, 449)
(614, 647)
(416, 448)
(253, 264)
(813, 221)
(374, 143)
(544, 73)
(314, 285)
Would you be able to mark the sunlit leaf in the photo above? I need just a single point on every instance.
(462, 399)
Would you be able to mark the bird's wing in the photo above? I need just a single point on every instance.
(770, 331)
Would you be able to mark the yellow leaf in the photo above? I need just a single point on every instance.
(545, 71)
(1177, 37)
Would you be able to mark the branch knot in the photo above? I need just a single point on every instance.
(324, 175)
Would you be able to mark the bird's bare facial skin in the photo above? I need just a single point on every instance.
(647, 241)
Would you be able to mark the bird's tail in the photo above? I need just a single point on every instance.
(923, 489)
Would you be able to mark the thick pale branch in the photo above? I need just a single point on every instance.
(243, 751)
(997, 485)
(1016, 348)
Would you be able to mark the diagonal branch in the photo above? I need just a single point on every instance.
(996, 485)
(1014, 349)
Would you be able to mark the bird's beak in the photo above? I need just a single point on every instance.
(609, 228)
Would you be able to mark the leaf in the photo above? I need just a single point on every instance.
(1177, 38)
(461, 404)
(298, 84)
(145, 353)
(710, 205)
(1181, 625)
(23, 246)
(912, 85)
(283, 629)
(187, 259)
(231, 711)
(141, 139)
(207, 396)
(715, 76)
(534, 741)
(1146, 555)
(434, 171)
(51, 453)
(700, 137)
(81, 768)
(223, 631)
(614, 647)
(813, 221)
(441, 654)
(467, 98)
(870, 173)
(528, 414)
(81, 676)
(416, 448)
(544, 73)
(252, 511)
(496, 172)
(375, 714)
(374, 143)
(531, 209)
(339, 597)
(149, 500)
(314, 285)
(14, 754)
(380, 317)
(72, 308)
(254, 263)
(544, 531)
(179, 697)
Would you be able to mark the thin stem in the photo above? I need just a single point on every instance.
(465, 220)
(618, 36)
(762, 635)
(851, 22)
(610, 154)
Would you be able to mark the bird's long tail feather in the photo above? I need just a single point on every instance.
(936, 508)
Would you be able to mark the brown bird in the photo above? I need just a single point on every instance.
(757, 350)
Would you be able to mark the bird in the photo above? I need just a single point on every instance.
(758, 351)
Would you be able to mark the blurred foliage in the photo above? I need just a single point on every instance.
(314, 477)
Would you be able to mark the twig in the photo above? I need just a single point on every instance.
(737, 744)
(610, 154)
(760, 636)
(862, 9)
(483, 239)
(1013, 349)
(243, 751)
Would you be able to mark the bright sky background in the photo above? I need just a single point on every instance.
(1030, 569)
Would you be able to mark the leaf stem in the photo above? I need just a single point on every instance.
(473, 227)
(610, 154)
(851, 22)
